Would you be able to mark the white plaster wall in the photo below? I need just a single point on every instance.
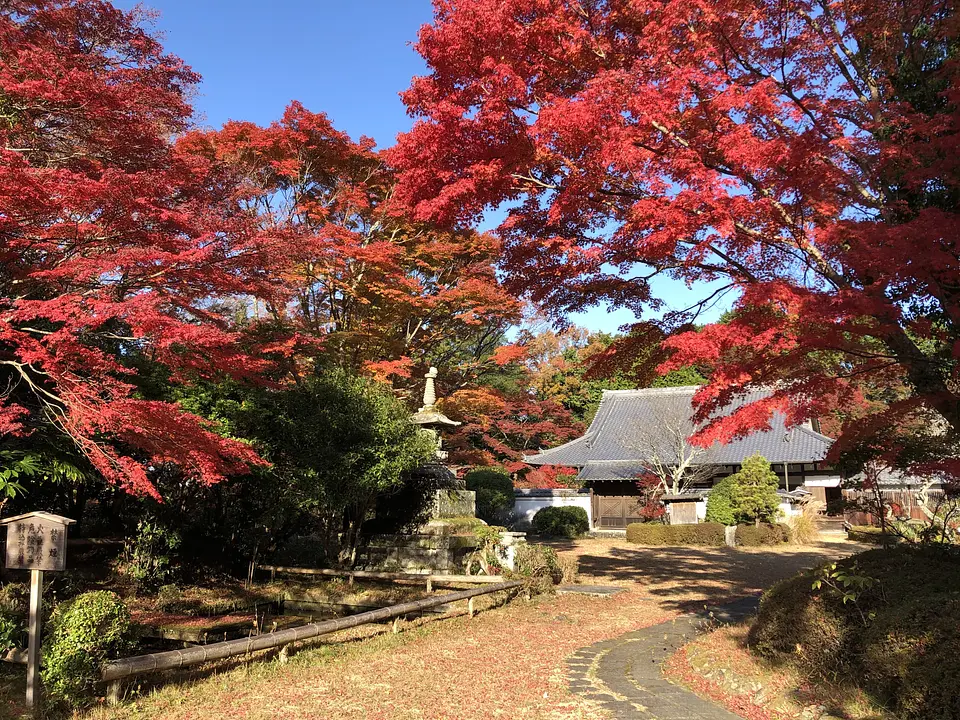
(526, 507)
(789, 509)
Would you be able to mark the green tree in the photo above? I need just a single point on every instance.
(343, 441)
(754, 491)
(494, 490)
(336, 443)
(720, 503)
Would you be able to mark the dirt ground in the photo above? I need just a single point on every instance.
(507, 662)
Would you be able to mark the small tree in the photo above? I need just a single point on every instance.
(720, 507)
(754, 491)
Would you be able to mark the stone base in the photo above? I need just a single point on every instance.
(418, 553)
(454, 503)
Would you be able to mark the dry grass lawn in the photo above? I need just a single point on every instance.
(508, 662)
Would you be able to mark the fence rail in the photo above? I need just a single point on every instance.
(117, 670)
(408, 578)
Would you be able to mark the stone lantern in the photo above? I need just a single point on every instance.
(453, 500)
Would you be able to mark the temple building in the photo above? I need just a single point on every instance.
(635, 431)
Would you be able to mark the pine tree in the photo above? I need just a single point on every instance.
(754, 493)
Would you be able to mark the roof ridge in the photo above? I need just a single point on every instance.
(639, 392)
(813, 433)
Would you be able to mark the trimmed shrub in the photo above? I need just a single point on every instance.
(83, 634)
(894, 630)
(564, 521)
(720, 503)
(494, 490)
(653, 534)
(763, 534)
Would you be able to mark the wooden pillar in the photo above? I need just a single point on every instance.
(786, 476)
(33, 648)
(429, 584)
(113, 692)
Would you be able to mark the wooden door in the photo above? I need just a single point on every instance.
(610, 510)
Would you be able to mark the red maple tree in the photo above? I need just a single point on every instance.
(801, 154)
(385, 294)
(112, 242)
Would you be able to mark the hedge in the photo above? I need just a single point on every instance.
(564, 521)
(763, 534)
(897, 640)
(657, 534)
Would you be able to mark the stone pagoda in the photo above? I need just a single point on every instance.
(452, 499)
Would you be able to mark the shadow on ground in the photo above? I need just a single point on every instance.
(682, 577)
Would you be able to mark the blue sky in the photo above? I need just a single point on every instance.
(349, 59)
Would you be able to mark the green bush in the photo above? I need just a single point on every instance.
(869, 534)
(708, 533)
(14, 599)
(151, 556)
(720, 503)
(887, 621)
(83, 634)
(494, 490)
(564, 521)
(764, 534)
(753, 491)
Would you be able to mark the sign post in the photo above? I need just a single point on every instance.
(36, 541)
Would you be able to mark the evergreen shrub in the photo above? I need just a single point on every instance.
(708, 533)
(82, 635)
(494, 490)
(564, 521)
(764, 534)
(887, 621)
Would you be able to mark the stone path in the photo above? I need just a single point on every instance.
(624, 674)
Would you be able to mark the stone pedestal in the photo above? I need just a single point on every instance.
(454, 504)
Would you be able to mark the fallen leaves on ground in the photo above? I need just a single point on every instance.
(720, 667)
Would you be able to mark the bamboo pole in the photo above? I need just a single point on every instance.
(171, 659)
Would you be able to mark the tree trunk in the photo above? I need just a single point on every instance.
(927, 381)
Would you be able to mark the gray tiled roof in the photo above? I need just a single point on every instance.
(626, 425)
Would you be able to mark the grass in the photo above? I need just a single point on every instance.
(720, 667)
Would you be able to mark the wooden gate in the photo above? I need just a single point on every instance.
(615, 511)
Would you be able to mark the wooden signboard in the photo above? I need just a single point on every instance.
(36, 542)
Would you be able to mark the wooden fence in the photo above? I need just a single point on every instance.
(114, 672)
(905, 500)
(402, 578)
